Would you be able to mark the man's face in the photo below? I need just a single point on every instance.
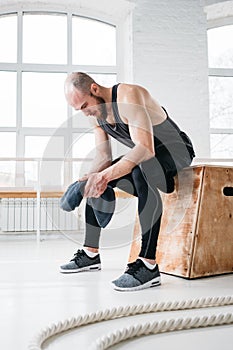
(89, 104)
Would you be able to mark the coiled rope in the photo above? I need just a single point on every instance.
(140, 329)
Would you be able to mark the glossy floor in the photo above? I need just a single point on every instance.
(33, 294)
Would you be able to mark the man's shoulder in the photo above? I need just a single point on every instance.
(128, 86)
(128, 90)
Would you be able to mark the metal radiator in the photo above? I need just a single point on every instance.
(20, 214)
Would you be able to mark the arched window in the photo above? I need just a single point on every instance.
(38, 49)
(220, 52)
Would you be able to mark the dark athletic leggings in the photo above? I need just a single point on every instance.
(142, 182)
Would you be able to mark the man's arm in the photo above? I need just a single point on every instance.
(103, 155)
(141, 132)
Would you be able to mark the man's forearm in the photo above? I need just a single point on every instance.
(115, 171)
(97, 182)
(124, 166)
(99, 164)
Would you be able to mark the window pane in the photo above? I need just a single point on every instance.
(44, 38)
(94, 42)
(43, 100)
(221, 145)
(104, 79)
(7, 99)
(79, 120)
(7, 173)
(83, 147)
(221, 97)
(53, 168)
(8, 38)
(7, 144)
(31, 174)
(44, 146)
(220, 47)
(7, 149)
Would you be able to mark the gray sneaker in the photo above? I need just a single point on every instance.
(81, 262)
(137, 276)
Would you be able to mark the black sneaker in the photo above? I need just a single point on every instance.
(137, 276)
(81, 262)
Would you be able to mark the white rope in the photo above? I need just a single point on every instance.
(140, 329)
(163, 326)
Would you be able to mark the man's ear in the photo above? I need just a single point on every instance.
(94, 89)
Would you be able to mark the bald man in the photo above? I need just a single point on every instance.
(158, 149)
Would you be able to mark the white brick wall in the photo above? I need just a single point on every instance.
(170, 59)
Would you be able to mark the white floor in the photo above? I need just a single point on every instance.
(33, 294)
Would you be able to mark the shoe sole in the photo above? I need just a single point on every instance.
(153, 283)
(91, 268)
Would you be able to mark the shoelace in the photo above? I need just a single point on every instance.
(78, 255)
(134, 267)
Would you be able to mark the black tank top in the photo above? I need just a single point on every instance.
(166, 134)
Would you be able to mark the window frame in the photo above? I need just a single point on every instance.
(19, 67)
(220, 72)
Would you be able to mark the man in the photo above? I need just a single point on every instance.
(158, 150)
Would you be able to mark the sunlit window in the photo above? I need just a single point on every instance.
(7, 144)
(44, 38)
(222, 145)
(7, 149)
(104, 79)
(83, 145)
(220, 47)
(8, 89)
(43, 100)
(93, 42)
(221, 106)
(45, 147)
(40, 48)
(8, 43)
(220, 53)
(83, 148)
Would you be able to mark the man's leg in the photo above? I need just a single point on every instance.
(149, 207)
(143, 186)
(86, 259)
(92, 229)
(144, 272)
(150, 212)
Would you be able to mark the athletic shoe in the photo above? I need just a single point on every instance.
(137, 276)
(81, 262)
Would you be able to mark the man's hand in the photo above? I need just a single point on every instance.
(84, 177)
(95, 186)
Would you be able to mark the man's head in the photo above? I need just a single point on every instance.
(83, 93)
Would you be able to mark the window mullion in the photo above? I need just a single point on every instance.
(19, 75)
(221, 72)
(68, 134)
(96, 69)
(69, 41)
(19, 180)
(69, 67)
(221, 131)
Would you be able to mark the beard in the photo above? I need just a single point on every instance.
(101, 105)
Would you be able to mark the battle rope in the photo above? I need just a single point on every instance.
(161, 327)
(140, 329)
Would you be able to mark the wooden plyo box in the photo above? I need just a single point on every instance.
(196, 235)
